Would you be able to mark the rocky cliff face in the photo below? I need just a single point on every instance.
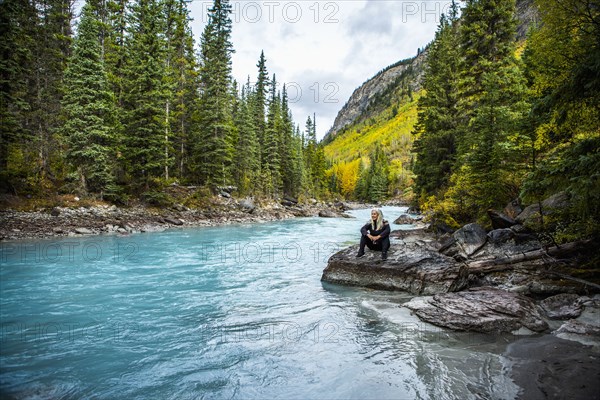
(408, 73)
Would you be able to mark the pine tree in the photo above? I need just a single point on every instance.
(144, 96)
(373, 182)
(437, 123)
(260, 102)
(184, 80)
(492, 106)
(271, 144)
(563, 70)
(291, 154)
(18, 21)
(88, 107)
(214, 147)
(247, 171)
(113, 45)
(49, 54)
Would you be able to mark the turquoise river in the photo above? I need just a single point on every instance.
(229, 312)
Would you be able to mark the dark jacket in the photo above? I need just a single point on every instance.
(384, 231)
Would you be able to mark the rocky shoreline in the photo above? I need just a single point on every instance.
(76, 220)
(504, 280)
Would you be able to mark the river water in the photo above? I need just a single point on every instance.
(226, 312)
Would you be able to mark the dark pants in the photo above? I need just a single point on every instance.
(382, 245)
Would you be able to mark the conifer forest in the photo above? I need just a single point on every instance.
(130, 103)
(121, 101)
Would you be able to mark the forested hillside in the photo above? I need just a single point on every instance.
(376, 124)
(499, 119)
(130, 104)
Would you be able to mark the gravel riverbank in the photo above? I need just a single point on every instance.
(110, 219)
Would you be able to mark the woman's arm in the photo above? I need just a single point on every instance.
(365, 229)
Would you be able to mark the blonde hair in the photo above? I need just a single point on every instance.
(379, 223)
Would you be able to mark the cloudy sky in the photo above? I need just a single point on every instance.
(323, 50)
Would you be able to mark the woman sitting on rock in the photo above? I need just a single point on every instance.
(375, 235)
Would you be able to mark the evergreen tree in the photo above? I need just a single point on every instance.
(291, 152)
(271, 144)
(373, 182)
(214, 147)
(260, 102)
(88, 107)
(113, 44)
(492, 106)
(310, 146)
(145, 94)
(563, 70)
(184, 80)
(437, 123)
(53, 48)
(247, 171)
(18, 21)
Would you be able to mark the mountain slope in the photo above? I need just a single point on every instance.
(383, 111)
(377, 93)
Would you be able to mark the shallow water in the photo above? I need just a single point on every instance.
(227, 312)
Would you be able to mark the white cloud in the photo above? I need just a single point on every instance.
(324, 48)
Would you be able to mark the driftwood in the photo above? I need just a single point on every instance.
(504, 263)
(572, 278)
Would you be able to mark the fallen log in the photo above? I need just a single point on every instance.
(504, 263)
(572, 278)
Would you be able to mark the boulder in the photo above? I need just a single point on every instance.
(412, 267)
(290, 199)
(180, 207)
(247, 205)
(498, 236)
(327, 214)
(465, 242)
(55, 212)
(513, 209)
(483, 309)
(341, 206)
(530, 216)
(500, 220)
(562, 306)
(576, 327)
(440, 227)
(83, 231)
(173, 221)
(404, 219)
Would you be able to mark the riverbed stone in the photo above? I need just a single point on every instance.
(502, 235)
(404, 219)
(562, 306)
(465, 242)
(84, 231)
(500, 220)
(411, 266)
(482, 309)
(327, 214)
(173, 221)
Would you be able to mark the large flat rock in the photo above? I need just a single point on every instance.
(482, 309)
(412, 266)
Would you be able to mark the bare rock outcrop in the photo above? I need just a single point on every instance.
(482, 309)
(412, 267)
